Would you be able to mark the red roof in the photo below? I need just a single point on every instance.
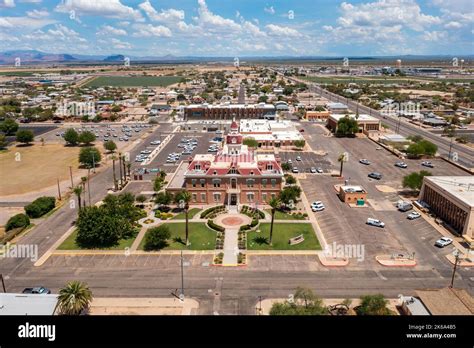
(234, 126)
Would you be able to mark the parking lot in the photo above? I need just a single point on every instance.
(345, 225)
(307, 161)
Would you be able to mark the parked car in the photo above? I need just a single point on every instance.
(375, 222)
(401, 165)
(443, 241)
(298, 158)
(404, 206)
(295, 170)
(316, 203)
(413, 215)
(364, 161)
(427, 164)
(319, 170)
(36, 290)
(375, 175)
(312, 170)
(317, 208)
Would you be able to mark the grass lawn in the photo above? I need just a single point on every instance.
(70, 243)
(200, 237)
(282, 232)
(182, 216)
(280, 215)
(134, 81)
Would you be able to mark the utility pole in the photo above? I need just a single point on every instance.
(456, 254)
(59, 190)
(70, 174)
(93, 161)
(3, 283)
(450, 148)
(89, 184)
(181, 296)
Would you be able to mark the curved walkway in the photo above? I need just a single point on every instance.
(231, 222)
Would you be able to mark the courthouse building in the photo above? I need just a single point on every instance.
(235, 175)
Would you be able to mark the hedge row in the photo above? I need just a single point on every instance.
(17, 221)
(215, 226)
(40, 206)
(249, 226)
(212, 210)
(250, 212)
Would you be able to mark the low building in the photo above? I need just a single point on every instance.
(235, 175)
(447, 301)
(366, 123)
(337, 108)
(27, 304)
(229, 111)
(451, 198)
(270, 134)
(353, 194)
(156, 108)
(435, 122)
(394, 139)
(313, 116)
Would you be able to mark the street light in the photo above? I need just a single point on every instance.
(456, 255)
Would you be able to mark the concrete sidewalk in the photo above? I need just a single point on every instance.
(143, 306)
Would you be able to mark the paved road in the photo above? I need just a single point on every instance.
(465, 155)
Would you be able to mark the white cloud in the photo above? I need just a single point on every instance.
(170, 15)
(434, 35)
(453, 25)
(148, 30)
(121, 45)
(109, 8)
(24, 22)
(213, 21)
(277, 30)
(269, 10)
(109, 30)
(37, 13)
(7, 3)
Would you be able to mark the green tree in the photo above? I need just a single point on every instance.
(24, 136)
(17, 221)
(299, 143)
(110, 146)
(71, 137)
(341, 159)
(158, 183)
(3, 141)
(87, 138)
(415, 180)
(163, 198)
(304, 302)
(89, 157)
(74, 298)
(140, 199)
(156, 238)
(9, 126)
(275, 204)
(182, 199)
(250, 142)
(290, 194)
(78, 192)
(286, 166)
(290, 179)
(347, 127)
(373, 305)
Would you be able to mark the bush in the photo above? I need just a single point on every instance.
(212, 211)
(215, 226)
(16, 221)
(156, 238)
(40, 206)
(24, 136)
(89, 157)
(71, 136)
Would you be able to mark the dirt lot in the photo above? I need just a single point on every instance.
(27, 169)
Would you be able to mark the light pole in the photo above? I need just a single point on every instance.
(450, 147)
(181, 296)
(456, 254)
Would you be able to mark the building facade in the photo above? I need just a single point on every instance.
(451, 198)
(366, 123)
(229, 111)
(235, 175)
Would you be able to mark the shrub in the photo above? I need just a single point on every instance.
(40, 206)
(156, 238)
(212, 211)
(16, 221)
(215, 226)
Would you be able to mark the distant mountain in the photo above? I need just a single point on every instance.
(32, 56)
(115, 58)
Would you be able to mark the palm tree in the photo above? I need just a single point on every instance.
(74, 298)
(341, 159)
(120, 167)
(184, 197)
(78, 191)
(129, 166)
(274, 203)
(113, 170)
(83, 182)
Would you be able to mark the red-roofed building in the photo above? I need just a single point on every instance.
(235, 175)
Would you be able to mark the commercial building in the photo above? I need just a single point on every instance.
(366, 123)
(353, 194)
(270, 134)
(229, 111)
(451, 198)
(313, 116)
(27, 304)
(337, 108)
(447, 301)
(235, 175)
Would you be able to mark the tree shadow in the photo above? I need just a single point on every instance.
(261, 240)
(179, 240)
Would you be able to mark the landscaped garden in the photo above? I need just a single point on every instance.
(282, 233)
(70, 243)
(191, 213)
(282, 215)
(200, 237)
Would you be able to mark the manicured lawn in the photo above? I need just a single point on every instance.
(282, 232)
(70, 243)
(133, 81)
(280, 215)
(200, 237)
(182, 216)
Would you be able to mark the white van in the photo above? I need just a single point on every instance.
(375, 222)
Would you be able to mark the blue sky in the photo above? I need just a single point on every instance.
(239, 28)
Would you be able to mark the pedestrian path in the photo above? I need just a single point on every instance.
(231, 247)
